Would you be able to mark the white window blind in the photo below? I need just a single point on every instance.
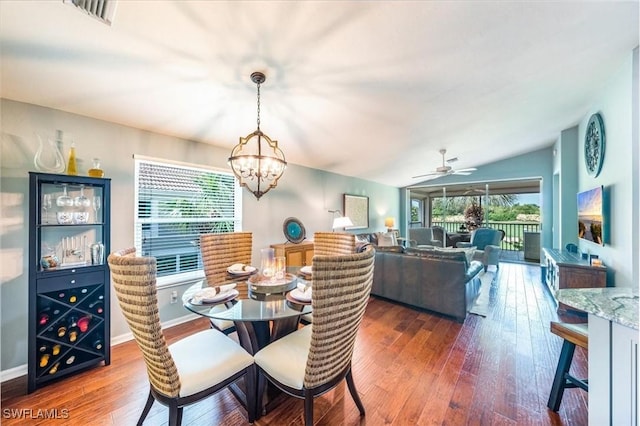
(176, 203)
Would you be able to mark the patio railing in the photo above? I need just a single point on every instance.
(514, 231)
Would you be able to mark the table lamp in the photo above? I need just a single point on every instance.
(389, 223)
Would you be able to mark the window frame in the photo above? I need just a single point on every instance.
(192, 275)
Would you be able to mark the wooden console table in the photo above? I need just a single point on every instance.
(568, 270)
(296, 254)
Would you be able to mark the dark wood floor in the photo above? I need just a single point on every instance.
(410, 368)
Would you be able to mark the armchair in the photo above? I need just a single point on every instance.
(422, 237)
(487, 244)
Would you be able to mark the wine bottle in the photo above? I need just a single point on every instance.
(73, 328)
(97, 307)
(62, 330)
(73, 298)
(54, 369)
(44, 360)
(83, 323)
(97, 344)
(70, 360)
(43, 348)
(44, 317)
(56, 350)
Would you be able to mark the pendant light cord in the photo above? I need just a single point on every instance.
(258, 121)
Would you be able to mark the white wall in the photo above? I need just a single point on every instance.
(616, 105)
(302, 192)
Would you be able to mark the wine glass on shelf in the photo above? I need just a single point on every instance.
(46, 206)
(64, 200)
(97, 203)
(81, 200)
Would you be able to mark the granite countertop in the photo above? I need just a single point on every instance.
(617, 304)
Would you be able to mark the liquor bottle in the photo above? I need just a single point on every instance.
(54, 369)
(72, 167)
(96, 171)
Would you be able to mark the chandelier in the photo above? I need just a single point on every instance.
(257, 161)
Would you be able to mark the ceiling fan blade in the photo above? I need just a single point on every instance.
(461, 173)
(468, 169)
(425, 175)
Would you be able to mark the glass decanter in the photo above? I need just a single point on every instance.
(48, 158)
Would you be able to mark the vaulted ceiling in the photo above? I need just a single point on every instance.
(365, 89)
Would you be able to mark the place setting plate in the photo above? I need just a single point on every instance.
(214, 295)
(241, 270)
(301, 294)
(306, 271)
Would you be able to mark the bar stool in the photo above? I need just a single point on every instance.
(573, 334)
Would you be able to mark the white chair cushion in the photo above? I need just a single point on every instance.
(220, 324)
(286, 359)
(206, 358)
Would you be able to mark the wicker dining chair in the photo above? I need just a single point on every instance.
(219, 251)
(316, 358)
(330, 244)
(188, 370)
(333, 243)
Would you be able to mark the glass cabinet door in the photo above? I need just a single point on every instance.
(71, 225)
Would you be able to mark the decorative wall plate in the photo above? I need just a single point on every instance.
(294, 230)
(594, 144)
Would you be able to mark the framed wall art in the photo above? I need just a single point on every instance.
(356, 208)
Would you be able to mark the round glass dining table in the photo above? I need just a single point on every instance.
(259, 317)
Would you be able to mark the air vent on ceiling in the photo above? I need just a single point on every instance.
(103, 10)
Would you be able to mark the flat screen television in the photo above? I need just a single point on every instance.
(591, 215)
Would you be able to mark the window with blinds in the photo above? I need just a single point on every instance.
(176, 203)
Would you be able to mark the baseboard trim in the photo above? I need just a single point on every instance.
(21, 370)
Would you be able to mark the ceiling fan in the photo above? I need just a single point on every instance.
(472, 190)
(446, 169)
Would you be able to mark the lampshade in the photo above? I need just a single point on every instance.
(389, 222)
(341, 222)
(257, 161)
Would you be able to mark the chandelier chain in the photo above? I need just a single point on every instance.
(258, 121)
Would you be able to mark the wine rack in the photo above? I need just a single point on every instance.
(69, 238)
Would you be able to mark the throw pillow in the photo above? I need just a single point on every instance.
(386, 239)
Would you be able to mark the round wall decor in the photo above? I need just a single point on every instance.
(293, 230)
(594, 144)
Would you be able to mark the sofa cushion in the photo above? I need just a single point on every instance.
(468, 252)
